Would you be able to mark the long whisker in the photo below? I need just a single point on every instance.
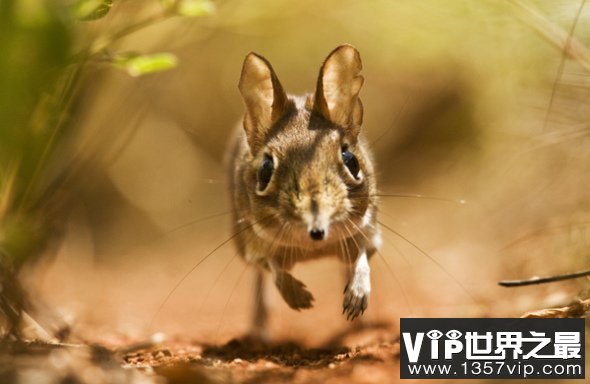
(302, 255)
(251, 238)
(276, 241)
(415, 196)
(442, 268)
(284, 231)
(349, 255)
(229, 299)
(289, 252)
(214, 284)
(399, 284)
(425, 197)
(291, 258)
(386, 131)
(193, 222)
(273, 246)
(395, 247)
(358, 248)
(160, 237)
(345, 252)
(287, 230)
(187, 274)
(541, 231)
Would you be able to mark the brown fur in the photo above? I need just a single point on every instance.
(310, 185)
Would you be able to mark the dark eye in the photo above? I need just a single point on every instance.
(265, 172)
(351, 162)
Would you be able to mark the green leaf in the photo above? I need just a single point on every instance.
(91, 9)
(137, 65)
(195, 8)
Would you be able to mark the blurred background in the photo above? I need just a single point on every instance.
(115, 121)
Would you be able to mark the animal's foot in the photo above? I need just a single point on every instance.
(356, 298)
(293, 291)
(358, 289)
(258, 336)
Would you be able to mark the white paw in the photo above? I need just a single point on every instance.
(358, 290)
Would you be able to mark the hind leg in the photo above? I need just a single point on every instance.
(259, 327)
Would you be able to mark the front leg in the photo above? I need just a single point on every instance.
(358, 289)
(293, 291)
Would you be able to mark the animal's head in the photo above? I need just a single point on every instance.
(309, 173)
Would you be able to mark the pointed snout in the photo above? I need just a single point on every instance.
(319, 219)
(315, 210)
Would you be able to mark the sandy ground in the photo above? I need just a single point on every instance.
(130, 325)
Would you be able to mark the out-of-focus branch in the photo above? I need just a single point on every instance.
(544, 280)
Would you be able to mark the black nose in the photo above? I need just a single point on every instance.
(317, 234)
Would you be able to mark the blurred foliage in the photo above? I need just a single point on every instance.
(41, 80)
(91, 9)
(189, 7)
(35, 40)
(137, 64)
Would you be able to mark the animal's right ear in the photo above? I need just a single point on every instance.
(263, 96)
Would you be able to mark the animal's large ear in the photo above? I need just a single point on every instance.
(337, 93)
(263, 96)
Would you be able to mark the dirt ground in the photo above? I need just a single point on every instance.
(239, 361)
(367, 354)
(197, 336)
(246, 362)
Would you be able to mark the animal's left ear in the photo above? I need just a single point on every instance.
(337, 93)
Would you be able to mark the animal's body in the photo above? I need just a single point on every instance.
(302, 181)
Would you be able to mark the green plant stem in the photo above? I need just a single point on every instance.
(103, 43)
(79, 59)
